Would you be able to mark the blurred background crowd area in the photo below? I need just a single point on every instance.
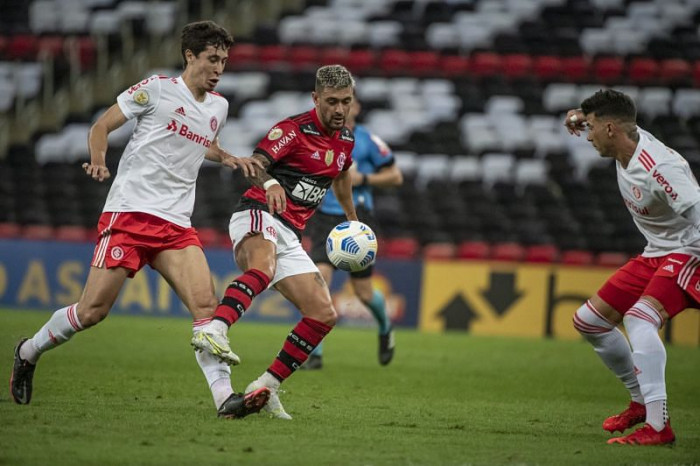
(470, 95)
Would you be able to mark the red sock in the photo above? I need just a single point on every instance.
(239, 295)
(301, 341)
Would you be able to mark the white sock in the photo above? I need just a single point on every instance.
(610, 345)
(269, 380)
(62, 325)
(217, 326)
(217, 373)
(643, 322)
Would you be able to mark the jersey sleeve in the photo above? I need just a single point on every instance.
(279, 141)
(141, 98)
(674, 183)
(380, 152)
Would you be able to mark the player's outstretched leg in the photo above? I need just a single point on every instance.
(21, 378)
(239, 405)
(647, 435)
(630, 417)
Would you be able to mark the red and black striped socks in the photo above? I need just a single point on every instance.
(300, 342)
(239, 295)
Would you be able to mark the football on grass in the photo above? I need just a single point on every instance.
(351, 246)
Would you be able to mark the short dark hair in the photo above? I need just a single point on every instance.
(610, 103)
(197, 36)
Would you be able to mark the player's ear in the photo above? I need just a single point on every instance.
(314, 96)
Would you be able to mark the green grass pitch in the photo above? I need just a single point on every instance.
(129, 392)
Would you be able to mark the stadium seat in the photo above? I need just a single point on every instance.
(22, 47)
(547, 68)
(424, 63)
(394, 62)
(38, 232)
(513, 252)
(576, 69)
(458, 65)
(577, 257)
(642, 70)
(361, 61)
(243, 56)
(439, 251)
(611, 259)
(542, 253)
(486, 64)
(608, 70)
(9, 230)
(675, 72)
(304, 57)
(400, 248)
(479, 250)
(516, 66)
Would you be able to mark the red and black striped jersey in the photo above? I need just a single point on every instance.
(305, 160)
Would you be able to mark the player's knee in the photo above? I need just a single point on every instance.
(588, 321)
(324, 312)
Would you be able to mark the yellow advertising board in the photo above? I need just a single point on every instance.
(531, 300)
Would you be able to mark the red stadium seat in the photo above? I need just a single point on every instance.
(361, 61)
(517, 66)
(577, 257)
(508, 252)
(9, 230)
(333, 55)
(608, 70)
(38, 232)
(243, 56)
(542, 253)
(696, 74)
(273, 55)
(611, 259)
(210, 237)
(425, 63)
(643, 70)
(22, 47)
(575, 69)
(439, 251)
(51, 46)
(303, 57)
(675, 71)
(394, 62)
(486, 64)
(399, 248)
(71, 233)
(87, 52)
(547, 68)
(454, 65)
(474, 250)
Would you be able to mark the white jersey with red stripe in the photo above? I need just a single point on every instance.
(657, 187)
(158, 170)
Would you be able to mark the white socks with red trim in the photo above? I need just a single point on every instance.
(62, 325)
(610, 345)
(217, 373)
(643, 322)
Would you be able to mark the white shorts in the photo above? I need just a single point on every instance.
(291, 257)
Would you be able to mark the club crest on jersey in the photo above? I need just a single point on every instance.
(213, 124)
(141, 97)
(117, 253)
(329, 157)
(637, 193)
(341, 160)
(274, 134)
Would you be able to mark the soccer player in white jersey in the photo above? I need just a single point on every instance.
(146, 218)
(663, 198)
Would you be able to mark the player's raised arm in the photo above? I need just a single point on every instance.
(248, 165)
(342, 188)
(110, 120)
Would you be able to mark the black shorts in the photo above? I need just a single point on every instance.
(321, 224)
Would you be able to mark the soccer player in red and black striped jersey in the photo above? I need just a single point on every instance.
(304, 155)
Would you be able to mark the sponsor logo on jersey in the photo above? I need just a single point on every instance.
(346, 135)
(635, 208)
(181, 111)
(329, 157)
(185, 132)
(310, 129)
(669, 268)
(341, 160)
(286, 139)
(637, 193)
(136, 87)
(274, 134)
(117, 253)
(316, 156)
(141, 97)
(663, 182)
(213, 123)
(308, 192)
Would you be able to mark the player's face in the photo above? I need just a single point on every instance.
(333, 106)
(598, 135)
(206, 68)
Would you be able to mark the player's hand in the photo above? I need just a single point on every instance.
(97, 172)
(247, 165)
(276, 199)
(575, 121)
